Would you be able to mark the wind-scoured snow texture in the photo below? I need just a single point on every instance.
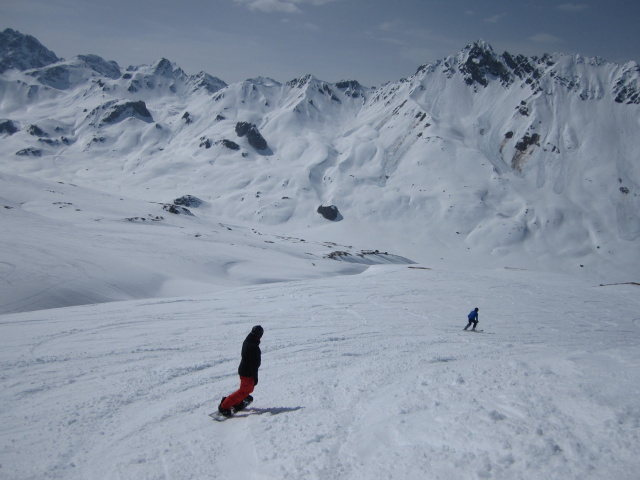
(362, 377)
(479, 157)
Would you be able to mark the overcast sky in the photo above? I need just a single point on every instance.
(372, 41)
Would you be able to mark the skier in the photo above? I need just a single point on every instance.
(473, 318)
(248, 371)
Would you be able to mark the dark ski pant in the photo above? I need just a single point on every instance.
(246, 387)
(472, 321)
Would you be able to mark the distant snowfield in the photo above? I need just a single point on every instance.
(365, 376)
(66, 245)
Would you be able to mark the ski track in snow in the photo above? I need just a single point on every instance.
(367, 376)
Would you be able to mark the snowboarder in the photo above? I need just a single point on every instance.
(248, 371)
(473, 319)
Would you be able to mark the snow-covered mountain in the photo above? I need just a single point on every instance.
(302, 206)
(23, 52)
(480, 158)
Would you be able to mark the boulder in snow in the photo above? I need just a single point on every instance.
(329, 212)
(188, 201)
(177, 210)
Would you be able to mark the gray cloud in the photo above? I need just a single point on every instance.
(270, 6)
(573, 7)
(495, 18)
(284, 6)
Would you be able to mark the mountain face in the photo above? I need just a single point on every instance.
(477, 155)
(23, 52)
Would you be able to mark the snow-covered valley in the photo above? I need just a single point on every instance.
(68, 245)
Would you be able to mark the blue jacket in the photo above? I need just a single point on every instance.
(473, 315)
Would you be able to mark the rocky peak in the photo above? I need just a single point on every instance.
(627, 87)
(65, 74)
(309, 84)
(165, 68)
(109, 69)
(479, 64)
(209, 83)
(265, 82)
(23, 52)
(351, 88)
(300, 82)
(521, 66)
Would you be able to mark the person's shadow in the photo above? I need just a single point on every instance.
(261, 411)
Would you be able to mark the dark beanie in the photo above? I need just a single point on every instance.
(257, 331)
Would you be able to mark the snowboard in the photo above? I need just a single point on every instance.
(218, 417)
(474, 331)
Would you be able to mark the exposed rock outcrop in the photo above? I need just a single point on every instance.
(188, 201)
(254, 138)
(177, 210)
(230, 145)
(23, 52)
(7, 126)
(329, 212)
(122, 111)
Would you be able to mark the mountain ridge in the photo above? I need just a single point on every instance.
(23, 52)
(503, 155)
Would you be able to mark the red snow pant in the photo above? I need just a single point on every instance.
(246, 387)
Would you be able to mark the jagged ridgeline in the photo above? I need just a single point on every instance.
(498, 153)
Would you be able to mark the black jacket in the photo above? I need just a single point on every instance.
(251, 358)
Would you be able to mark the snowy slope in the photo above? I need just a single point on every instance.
(67, 245)
(366, 376)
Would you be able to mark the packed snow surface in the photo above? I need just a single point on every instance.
(365, 376)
